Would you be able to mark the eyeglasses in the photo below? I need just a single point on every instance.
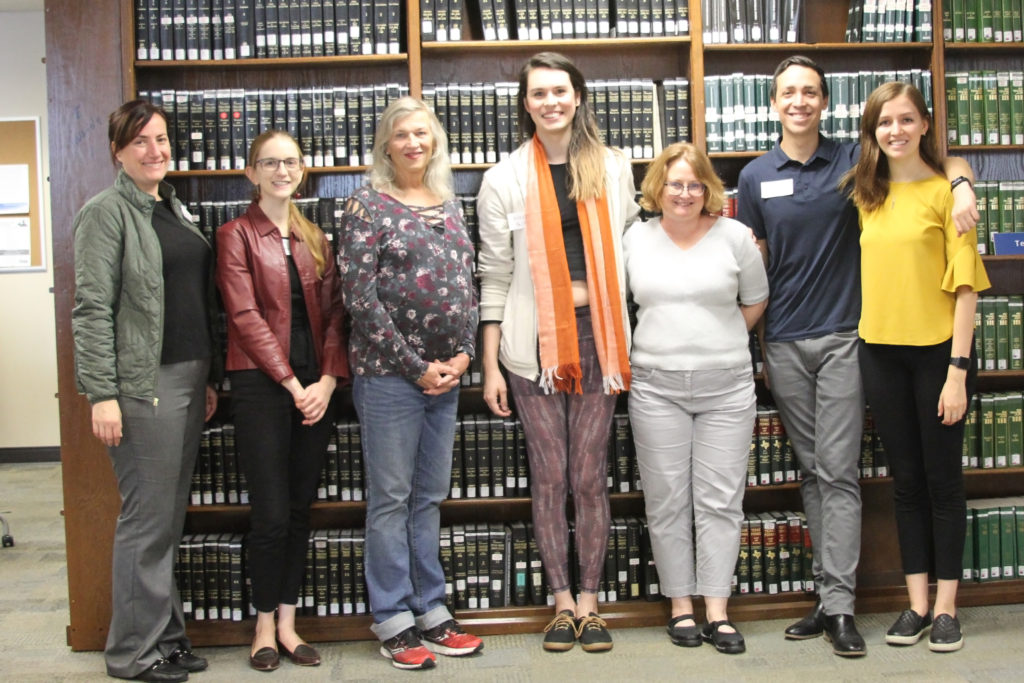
(291, 163)
(693, 189)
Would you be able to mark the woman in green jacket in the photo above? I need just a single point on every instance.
(143, 332)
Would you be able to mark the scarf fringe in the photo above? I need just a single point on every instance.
(566, 378)
(613, 384)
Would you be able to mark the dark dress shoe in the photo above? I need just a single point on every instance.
(841, 631)
(303, 655)
(729, 643)
(187, 660)
(265, 659)
(811, 626)
(684, 636)
(163, 671)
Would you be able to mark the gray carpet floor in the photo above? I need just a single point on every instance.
(34, 615)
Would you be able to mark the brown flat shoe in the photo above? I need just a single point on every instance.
(303, 655)
(265, 659)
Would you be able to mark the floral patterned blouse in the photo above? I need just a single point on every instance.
(408, 287)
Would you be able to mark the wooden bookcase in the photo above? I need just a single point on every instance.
(92, 69)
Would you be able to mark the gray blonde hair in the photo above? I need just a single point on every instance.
(438, 176)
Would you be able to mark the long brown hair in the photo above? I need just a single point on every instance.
(870, 177)
(308, 231)
(586, 151)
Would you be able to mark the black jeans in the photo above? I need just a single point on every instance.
(282, 460)
(902, 385)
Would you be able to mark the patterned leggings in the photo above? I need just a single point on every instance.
(567, 445)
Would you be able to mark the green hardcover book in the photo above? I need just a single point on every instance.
(1006, 222)
(980, 557)
(713, 113)
(1002, 307)
(756, 554)
(997, 20)
(971, 435)
(952, 135)
(995, 556)
(975, 84)
(990, 106)
(984, 19)
(1001, 417)
(988, 332)
(743, 559)
(963, 107)
(1018, 516)
(764, 447)
(1017, 106)
(981, 189)
(971, 11)
(1015, 305)
(947, 22)
(987, 423)
(1005, 115)
(752, 457)
(1017, 19)
(967, 563)
(1007, 541)
(728, 110)
(959, 22)
(979, 335)
(867, 453)
(1018, 205)
(994, 209)
(778, 447)
(770, 544)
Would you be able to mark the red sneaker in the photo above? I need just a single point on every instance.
(449, 639)
(407, 652)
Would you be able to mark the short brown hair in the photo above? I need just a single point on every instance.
(127, 121)
(654, 180)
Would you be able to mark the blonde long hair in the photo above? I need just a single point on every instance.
(308, 231)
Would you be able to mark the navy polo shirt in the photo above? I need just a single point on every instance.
(813, 239)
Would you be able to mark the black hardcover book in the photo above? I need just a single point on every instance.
(380, 27)
(331, 469)
(331, 35)
(342, 429)
(211, 575)
(202, 462)
(621, 557)
(782, 543)
(497, 452)
(294, 28)
(428, 32)
(239, 148)
(273, 27)
(470, 457)
(356, 28)
(250, 121)
(366, 33)
(466, 123)
(327, 99)
(193, 133)
(307, 594)
(316, 24)
(359, 578)
(502, 19)
(305, 29)
(244, 29)
(166, 32)
(305, 137)
(509, 458)
(456, 489)
(147, 28)
(368, 120)
(483, 456)
(265, 98)
(292, 113)
(519, 580)
(334, 572)
(339, 121)
(213, 486)
(320, 570)
(633, 553)
(649, 572)
(499, 546)
(609, 585)
(231, 577)
(447, 566)
(615, 118)
(460, 566)
(216, 129)
(348, 572)
(522, 461)
(473, 568)
(620, 426)
(537, 581)
(191, 29)
(198, 574)
(455, 20)
(259, 28)
(230, 29)
(522, 28)
(477, 114)
(183, 575)
(756, 554)
(204, 29)
(355, 438)
(453, 99)
(230, 462)
(647, 118)
(490, 120)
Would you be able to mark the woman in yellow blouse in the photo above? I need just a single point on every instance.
(920, 281)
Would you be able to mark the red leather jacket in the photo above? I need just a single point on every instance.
(252, 275)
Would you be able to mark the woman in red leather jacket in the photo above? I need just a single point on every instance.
(286, 355)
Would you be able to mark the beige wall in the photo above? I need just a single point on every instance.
(28, 364)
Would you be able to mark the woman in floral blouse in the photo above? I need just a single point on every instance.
(407, 269)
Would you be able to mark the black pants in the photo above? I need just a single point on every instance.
(902, 386)
(282, 459)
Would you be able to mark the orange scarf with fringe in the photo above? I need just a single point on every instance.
(556, 315)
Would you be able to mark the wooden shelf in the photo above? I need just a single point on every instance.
(797, 48)
(263, 64)
(538, 45)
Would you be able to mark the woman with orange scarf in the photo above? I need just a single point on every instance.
(552, 304)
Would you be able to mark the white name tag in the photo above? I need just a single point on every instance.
(516, 221)
(777, 188)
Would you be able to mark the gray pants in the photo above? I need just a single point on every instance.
(692, 433)
(153, 466)
(816, 384)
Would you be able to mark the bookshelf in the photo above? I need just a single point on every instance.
(93, 67)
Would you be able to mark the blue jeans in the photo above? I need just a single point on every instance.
(407, 444)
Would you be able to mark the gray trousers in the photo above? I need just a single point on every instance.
(153, 466)
(692, 433)
(816, 385)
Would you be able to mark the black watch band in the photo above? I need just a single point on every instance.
(959, 180)
(961, 362)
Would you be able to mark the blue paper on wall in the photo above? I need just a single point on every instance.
(1008, 242)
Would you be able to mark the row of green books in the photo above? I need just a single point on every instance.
(751, 21)
(999, 332)
(994, 431)
(1000, 206)
(739, 116)
(985, 107)
(994, 547)
(212, 129)
(983, 21)
(889, 21)
(261, 29)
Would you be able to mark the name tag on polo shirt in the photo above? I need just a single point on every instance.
(516, 221)
(777, 188)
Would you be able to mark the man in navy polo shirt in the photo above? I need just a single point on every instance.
(808, 233)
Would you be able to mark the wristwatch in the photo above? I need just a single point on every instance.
(961, 362)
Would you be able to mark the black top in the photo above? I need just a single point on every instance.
(186, 268)
(572, 237)
(301, 356)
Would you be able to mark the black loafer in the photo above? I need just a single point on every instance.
(265, 659)
(946, 636)
(811, 626)
(302, 655)
(684, 636)
(163, 671)
(729, 643)
(841, 631)
(908, 629)
(187, 660)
